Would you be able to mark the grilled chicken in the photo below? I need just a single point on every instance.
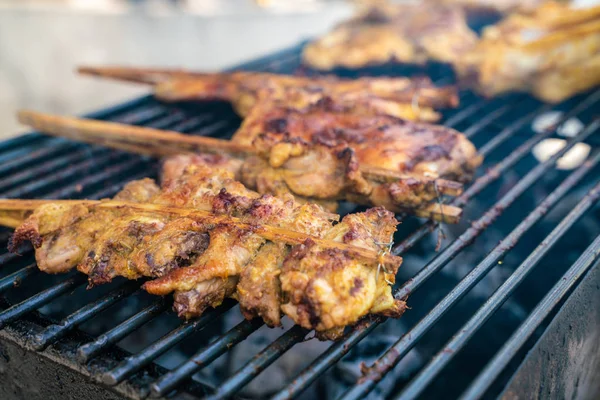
(63, 235)
(204, 263)
(382, 95)
(384, 32)
(421, 152)
(306, 154)
(551, 52)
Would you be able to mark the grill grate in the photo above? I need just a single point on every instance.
(34, 165)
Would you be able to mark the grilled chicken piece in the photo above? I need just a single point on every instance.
(234, 254)
(62, 234)
(368, 95)
(203, 263)
(386, 32)
(326, 290)
(321, 289)
(546, 52)
(420, 151)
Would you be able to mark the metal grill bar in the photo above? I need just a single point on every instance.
(465, 113)
(18, 141)
(17, 277)
(488, 119)
(170, 380)
(427, 374)
(48, 167)
(541, 312)
(54, 332)
(338, 350)
(91, 349)
(44, 153)
(259, 362)
(40, 299)
(135, 362)
(495, 172)
(325, 361)
(393, 355)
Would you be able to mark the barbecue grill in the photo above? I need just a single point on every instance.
(509, 303)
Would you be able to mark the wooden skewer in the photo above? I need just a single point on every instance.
(158, 142)
(269, 232)
(439, 212)
(150, 76)
(84, 129)
(444, 186)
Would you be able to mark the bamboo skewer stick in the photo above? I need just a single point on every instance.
(268, 232)
(151, 76)
(83, 129)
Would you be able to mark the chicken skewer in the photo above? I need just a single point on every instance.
(268, 232)
(157, 142)
(412, 99)
(152, 232)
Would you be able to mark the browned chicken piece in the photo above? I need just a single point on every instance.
(419, 151)
(259, 288)
(134, 244)
(413, 99)
(234, 254)
(321, 289)
(551, 52)
(326, 290)
(62, 234)
(204, 263)
(386, 32)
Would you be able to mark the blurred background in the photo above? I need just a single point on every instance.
(43, 41)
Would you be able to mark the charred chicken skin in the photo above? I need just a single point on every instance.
(383, 32)
(203, 263)
(413, 99)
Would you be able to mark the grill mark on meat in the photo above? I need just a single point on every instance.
(375, 17)
(276, 125)
(352, 234)
(225, 202)
(150, 261)
(299, 252)
(358, 284)
(98, 274)
(429, 153)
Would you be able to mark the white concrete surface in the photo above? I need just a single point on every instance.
(41, 45)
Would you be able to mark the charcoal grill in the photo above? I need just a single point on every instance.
(59, 340)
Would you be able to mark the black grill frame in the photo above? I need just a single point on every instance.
(96, 356)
